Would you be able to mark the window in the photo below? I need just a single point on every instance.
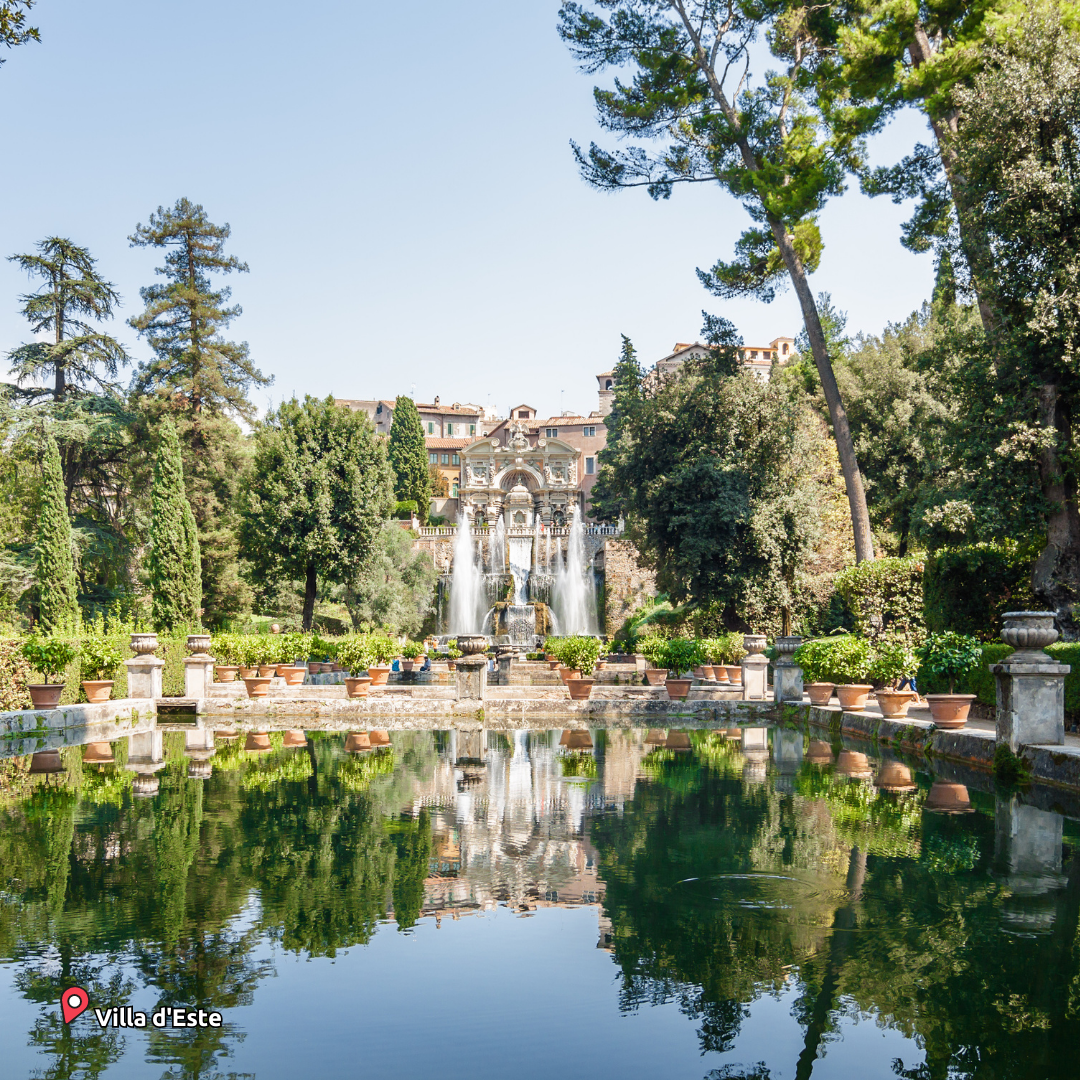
(449, 429)
(519, 518)
(472, 429)
(455, 460)
(785, 348)
(753, 354)
(454, 490)
(433, 459)
(446, 459)
(379, 409)
(609, 384)
(551, 433)
(523, 414)
(430, 428)
(590, 466)
(589, 432)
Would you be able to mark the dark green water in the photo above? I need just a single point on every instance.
(495, 904)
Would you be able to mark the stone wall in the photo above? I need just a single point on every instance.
(627, 586)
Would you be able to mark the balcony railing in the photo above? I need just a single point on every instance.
(521, 530)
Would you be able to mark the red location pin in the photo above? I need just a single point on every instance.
(73, 1002)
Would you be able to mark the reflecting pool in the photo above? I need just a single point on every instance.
(747, 903)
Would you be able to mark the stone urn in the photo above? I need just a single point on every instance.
(471, 644)
(786, 647)
(144, 644)
(754, 644)
(198, 645)
(1029, 632)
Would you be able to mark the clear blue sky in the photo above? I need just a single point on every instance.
(399, 179)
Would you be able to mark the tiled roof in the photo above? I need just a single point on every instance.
(449, 410)
(605, 374)
(567, 421)
(433, 442)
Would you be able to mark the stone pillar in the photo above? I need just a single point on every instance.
(787, 757)
(146, 755)
(471, 677)
(755, 668)
(1030, 684)
(1028, 860)
(505, 659)
(787, 675)
(144, 671)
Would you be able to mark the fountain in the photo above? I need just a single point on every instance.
(467, 589)
(574, 598)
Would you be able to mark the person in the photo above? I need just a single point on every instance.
(395, 666)
(426, 665)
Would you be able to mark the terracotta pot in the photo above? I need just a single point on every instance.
(949, 711)
(853, 695)
(655, 737)
(720, 673)
(45, 695)
(894, 703)
(97, 691)
(734, 673)
(733, 733)
(379, 738)
(294, 676)
(335, 668)
(226, 734)
(294, 739)
(569, 673)
(314, 667)
(655, 676)
(279, 669)
(699, 672)
(678, 688)
(46, 761)
(948, 798)
(553, 665)
(357, 741)
(379, 675)
(225, 673)
(677, 740)
(267, 671)
(98, 753)
(451, 665)
(578, 740)
(248, 672)
(408, 665)
(357, 687)
(853, 765)
(819, 692)
(894, 776)
(257, 742)
(258, 687)
(580, 689)
(819, 752)
(601, 664)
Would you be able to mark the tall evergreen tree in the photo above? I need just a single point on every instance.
(408, 457)
(173, 549)
(58, 602)
(201, 378)
(192, 565)
(317, 494)
(607, 501)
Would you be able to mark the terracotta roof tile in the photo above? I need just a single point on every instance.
(433, 442)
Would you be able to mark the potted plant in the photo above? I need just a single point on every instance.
(355, 655)
(891, 661)
(681, 655)
(654, 649)
(950, 656)
(453, 655)
(247, 655)
(98, 661)
(411, 651)
(733, 650)
(849, 661)
(812, 657)
(223, 647)
(262, 654)
(580, 654)
(50, 656)
(382, 649)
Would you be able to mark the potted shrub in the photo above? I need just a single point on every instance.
(381, 650)
(247, 655)
(411, 651)
(733, 650)
(355, 655)
(223, 648)
(812, 657)
(453, 655)
(580, 654)
(50, 656)
(262, 652)
(849, 660)
(681, 655)
(891, 661)
(713, 648)
(98, 661)
(950, 656)
(654, 649)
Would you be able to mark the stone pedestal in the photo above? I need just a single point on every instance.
(471, 677)
(1028, 859)
(787, 676)
(1030, 685)
(755, 677)
(146, 751)
(198, 676)
(505, 659)
(144, 677)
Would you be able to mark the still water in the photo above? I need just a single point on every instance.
(741, 904)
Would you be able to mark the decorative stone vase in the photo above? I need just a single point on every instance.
(198, 644)
(294, 739)
(786, 647)
(754, 644)
(144, 644)
(894, 703)
(46, 761)
(357, 741)
(655, 676)
(853, 695)
(98, 753)
(226, 672)
(819, 692)
(471, 644)
(248, 672)
(1028, 632)
(734, 673)
(894, 776)
(267, 671)
(45, 695)
(293, 676)
(258, 687)
(257, 742)
(950, 711)
(97, 691)
(579, 688)
(358, 686)
(947, 798)
(379, 675)
(678, 688)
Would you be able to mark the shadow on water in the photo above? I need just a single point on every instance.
(725, 868)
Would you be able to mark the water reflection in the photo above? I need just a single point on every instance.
(724, 869)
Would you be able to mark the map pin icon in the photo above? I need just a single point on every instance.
(73, 1002)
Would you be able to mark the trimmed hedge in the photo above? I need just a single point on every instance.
(969, 588)
(885, 596)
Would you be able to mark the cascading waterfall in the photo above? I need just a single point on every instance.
(574, 596)
(520, 566)
(547, 556)
(467, 606)
(497, 548)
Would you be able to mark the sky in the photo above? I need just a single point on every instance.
(400, 181)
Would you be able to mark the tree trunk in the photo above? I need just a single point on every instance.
(309, 596)
(1055, 580)
(845, 445)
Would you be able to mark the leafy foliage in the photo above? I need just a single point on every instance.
(950, 655)
(395, 587)
(49, 655)
(885, 596)
(99, 658)
(57, 595)
(408, 457)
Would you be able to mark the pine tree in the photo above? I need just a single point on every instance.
(202, 379)
(606, 501)
(171, 562)
(408, 457)
(58, 604)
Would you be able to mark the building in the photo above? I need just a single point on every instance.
(445, 455)
(456, 421)
(759, 358)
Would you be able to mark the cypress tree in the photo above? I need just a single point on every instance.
(608, 499)
(59, 604)
(192, 565)
(170, 562)
(408, 457)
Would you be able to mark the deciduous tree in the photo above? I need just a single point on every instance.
(58, 600)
